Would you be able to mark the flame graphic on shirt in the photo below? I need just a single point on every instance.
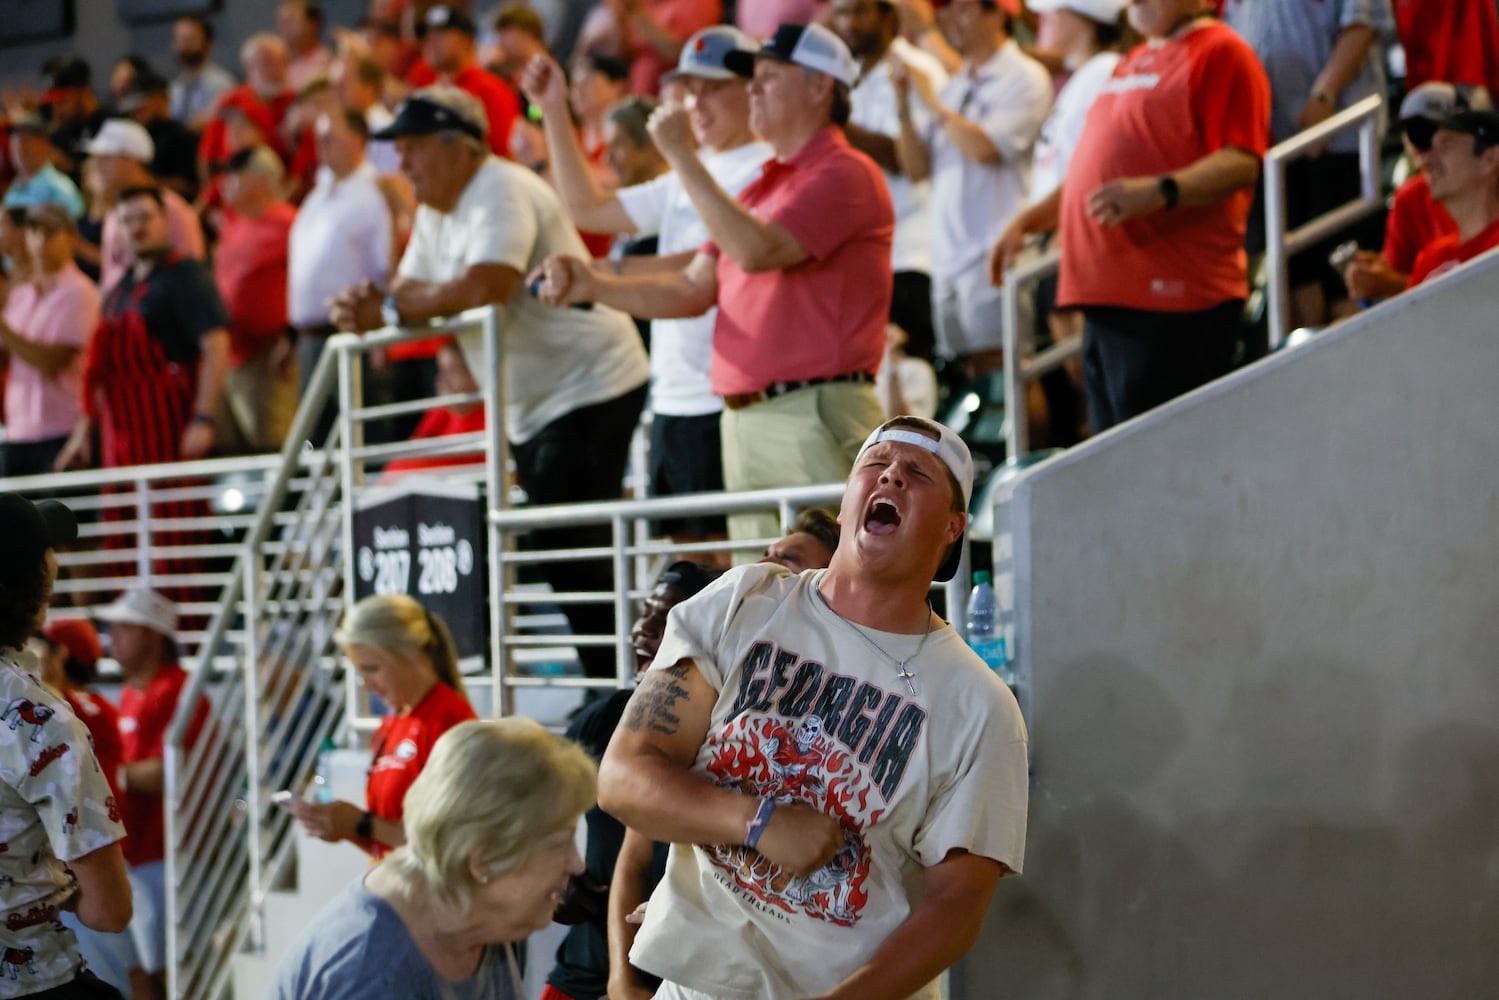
(769, 758)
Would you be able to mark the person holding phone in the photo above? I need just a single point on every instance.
(404, 654)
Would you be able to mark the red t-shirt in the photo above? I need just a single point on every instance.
(501, 102)
(250, 270)
(1447, 252)
(441, 422)
(402, 745)
(145, 716)
(102, 720)
(1165, 107)
(825, 316)
(1415, 219)
(1456, 41)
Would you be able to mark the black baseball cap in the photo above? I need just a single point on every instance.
(28, 530)
(420, 115)
(1483, 126)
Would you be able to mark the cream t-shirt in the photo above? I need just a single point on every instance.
(556, 360)
(807, 711)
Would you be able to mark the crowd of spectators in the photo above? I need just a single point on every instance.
(283, 174)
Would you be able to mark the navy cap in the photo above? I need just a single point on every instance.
(419, 115)
(808, 45)
(445, 18)
(1481, 125)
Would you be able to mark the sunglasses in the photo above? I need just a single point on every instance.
(1420, 132)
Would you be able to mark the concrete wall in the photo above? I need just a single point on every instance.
(1261, 625)
(102, 38)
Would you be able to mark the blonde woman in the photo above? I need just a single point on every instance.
(405, 656)
(490, 844)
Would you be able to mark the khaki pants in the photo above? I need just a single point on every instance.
(803, 438)
(260, 401)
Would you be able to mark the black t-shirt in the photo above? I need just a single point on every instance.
(582, 969)
(179, 305)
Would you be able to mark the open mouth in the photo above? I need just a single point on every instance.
(882, 516)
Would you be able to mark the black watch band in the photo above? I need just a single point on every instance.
(365, 828)
(1170, 191)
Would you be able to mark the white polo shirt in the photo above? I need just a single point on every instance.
(556, 360)
(681, 349)
(875, 109)
(341, 237)
(1008, 97)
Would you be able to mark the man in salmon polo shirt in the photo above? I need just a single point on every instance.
(799, 268)
(1154, 208)
(1463, 170)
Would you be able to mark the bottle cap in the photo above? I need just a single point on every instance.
(982, 576)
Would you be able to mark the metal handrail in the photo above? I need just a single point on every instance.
(288, 566)
(1280, 245)
(1021, 371)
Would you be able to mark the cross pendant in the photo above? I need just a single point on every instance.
(906, 676)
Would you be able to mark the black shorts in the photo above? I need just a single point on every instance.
(687, 457)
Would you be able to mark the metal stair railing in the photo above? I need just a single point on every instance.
(1281, 245)
(176, 527)
(277, 692)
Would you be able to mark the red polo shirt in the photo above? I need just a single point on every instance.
(402, 745)
(825, 316)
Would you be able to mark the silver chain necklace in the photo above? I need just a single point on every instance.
(901, 666)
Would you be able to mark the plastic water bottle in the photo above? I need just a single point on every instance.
(986, 642)
(322, 778)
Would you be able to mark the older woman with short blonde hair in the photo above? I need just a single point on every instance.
(490, 844)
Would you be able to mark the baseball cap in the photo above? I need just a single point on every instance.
(424, 113)
(1102, 11)
(1481, 125)
(704, 53)
(78, 636)
(809, 45)
(259, 160)
(140, 605)
(445, 18)
(28, 530)
(122, 137)
(946, 445)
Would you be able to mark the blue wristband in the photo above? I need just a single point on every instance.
(757, 825)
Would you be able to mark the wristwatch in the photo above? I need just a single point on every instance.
(1170, 190)
(389, 314)
(365, 828)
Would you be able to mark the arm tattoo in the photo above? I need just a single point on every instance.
(652, 705)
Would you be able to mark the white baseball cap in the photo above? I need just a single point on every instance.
(1102, 11)
(946, 445)
(703, 54)
(809, 45)
(122, 137)
(140, 605)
